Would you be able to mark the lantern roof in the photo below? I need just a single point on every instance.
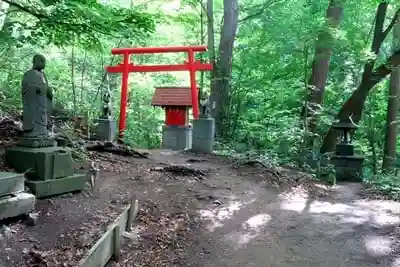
(343, 125)
(172, 96)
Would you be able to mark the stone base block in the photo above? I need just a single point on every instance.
(45, 162)
(16, 205)
(344, 149)
(177, 137)
(36, 142)
(106, 130)
(348, 168)
(59, 186)
(203, 135)
(11, 183)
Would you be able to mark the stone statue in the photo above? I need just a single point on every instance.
(106, 100)
(205, 106)
(37, 99)
(107, 104)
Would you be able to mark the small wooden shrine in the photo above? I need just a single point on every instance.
(176, 101)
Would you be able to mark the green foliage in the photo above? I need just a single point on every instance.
(83, 22)
(389, 184)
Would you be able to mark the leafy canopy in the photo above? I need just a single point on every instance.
(84, 22)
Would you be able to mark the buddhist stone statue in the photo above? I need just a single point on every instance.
(50, 167)
(37, 99)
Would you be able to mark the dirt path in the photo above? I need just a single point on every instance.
(246, 224)
(234, 216)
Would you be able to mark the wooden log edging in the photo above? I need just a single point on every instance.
(109, 245)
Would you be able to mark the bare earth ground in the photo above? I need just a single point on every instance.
(231, 216)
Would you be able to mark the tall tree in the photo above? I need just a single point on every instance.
(392, 109)
(371, 76)
(211, 39)
(320, 65)
(223, 72)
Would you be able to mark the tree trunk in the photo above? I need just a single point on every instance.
(222, 84)
(73, 78)
(320, 65)
(3, 13)
(211, 47)
(354, 106)
(389, 151)
(201, 55)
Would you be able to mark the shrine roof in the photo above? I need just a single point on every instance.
(172, 96)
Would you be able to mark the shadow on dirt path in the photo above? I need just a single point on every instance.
(244, 223)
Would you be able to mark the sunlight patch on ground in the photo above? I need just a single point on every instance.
(385, 219)
(378, 246)
(216, 215)
(326, 207)
(346, 213)
(348, 218)
(379, 205)
(297, 205)
(396, 262)
(250, 229)
(256, 221)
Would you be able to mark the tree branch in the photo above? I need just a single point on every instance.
(266, 5)
(27, 10)
(392, 23)
(385, 69)
(378, 31)
(94, 27)
(377, 40)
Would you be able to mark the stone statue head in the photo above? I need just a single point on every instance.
(39, 62)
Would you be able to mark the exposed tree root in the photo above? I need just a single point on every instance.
(180, 170)
(118, 149)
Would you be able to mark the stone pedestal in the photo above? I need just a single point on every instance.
(13, 200)
(106, 129)
(177, 137)
(348, 168)
(203, 135)
(49, 169)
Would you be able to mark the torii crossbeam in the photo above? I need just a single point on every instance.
(127, 66)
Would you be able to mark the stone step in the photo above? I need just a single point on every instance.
(11, 183)
(47, 188)
(16, 205)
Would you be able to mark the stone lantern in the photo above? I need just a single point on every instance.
(348, 165)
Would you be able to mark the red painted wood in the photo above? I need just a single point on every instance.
(197, 66)
(193, 86)
(176, 116)
(124, 96)
(153, 50)
(191, 65)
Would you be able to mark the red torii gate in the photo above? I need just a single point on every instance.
(127, 66)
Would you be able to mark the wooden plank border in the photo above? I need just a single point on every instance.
(109, 244)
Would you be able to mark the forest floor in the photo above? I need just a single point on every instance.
(228, 214)
(241, 215)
